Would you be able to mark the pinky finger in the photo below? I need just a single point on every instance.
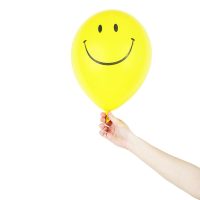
(102, 133)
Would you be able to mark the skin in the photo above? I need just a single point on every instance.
(183, 174)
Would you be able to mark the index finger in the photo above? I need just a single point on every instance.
(103, 114)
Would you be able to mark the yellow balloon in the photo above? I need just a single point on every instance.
(111, 56)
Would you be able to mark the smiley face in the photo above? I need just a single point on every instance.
(104, 35)
(109, 63)
(111, 56)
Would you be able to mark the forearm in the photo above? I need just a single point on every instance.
(183, 174)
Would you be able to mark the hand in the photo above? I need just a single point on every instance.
(115, 130)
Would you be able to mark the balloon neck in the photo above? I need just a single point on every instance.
(107, 118)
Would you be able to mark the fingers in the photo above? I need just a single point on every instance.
(109, 123)
(103, 114)
(101, 126)
(105, 129)
(103, 119)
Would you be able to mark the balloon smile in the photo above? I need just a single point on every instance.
(109, 63)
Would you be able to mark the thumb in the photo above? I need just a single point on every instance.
(112, 118)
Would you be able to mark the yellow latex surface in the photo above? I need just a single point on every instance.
(111, 56)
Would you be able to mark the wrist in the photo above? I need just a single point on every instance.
(132, 142)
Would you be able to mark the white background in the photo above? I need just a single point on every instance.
(49, 142)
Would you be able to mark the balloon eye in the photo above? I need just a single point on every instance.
(115, 27)
(99, 28)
